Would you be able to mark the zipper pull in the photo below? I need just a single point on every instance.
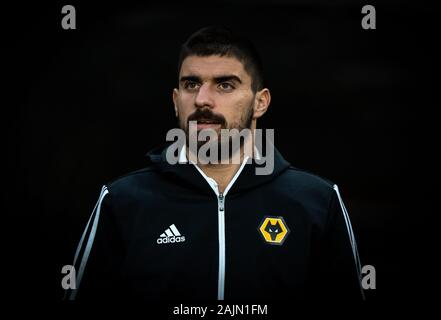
(221, 202)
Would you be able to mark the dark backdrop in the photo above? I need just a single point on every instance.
(356, 106)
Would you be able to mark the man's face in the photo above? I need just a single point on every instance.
(216, 92)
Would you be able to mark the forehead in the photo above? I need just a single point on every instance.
(211, 66)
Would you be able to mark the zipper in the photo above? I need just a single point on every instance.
(221, 200)
(221, 224)
(221, 228)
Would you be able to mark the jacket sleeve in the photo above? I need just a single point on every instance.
(336, 268)
(99, 254)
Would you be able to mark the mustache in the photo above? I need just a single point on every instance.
(206, 115)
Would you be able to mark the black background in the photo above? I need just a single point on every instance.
(357, 106)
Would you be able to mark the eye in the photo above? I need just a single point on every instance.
(226, 86)
(270, 230)
(191, 85)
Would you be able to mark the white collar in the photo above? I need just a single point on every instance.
(183, 154)
(213, 184)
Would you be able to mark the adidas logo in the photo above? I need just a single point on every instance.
(171, 235)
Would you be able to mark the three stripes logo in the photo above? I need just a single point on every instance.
(171, 235)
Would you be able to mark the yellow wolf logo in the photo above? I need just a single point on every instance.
(274, 230)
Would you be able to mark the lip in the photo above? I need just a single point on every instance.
(206, 121)
(201, 126)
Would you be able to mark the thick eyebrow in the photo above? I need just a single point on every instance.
(228, 77)
(217, 79)
(190, 78)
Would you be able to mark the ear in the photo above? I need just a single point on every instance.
(175, 97)
(262, 102)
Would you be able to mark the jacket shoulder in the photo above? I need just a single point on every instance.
(308, 178)
(306, 186)
(314, 192)
(131, 179)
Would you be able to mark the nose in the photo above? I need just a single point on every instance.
(204, 97)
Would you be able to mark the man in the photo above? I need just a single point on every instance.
(197, 230)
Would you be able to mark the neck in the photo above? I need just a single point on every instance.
(222, 173)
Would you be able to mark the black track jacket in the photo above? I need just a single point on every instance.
(166, 233)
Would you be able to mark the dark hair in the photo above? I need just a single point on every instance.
(216, 40)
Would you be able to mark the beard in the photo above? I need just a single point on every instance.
(205, 115)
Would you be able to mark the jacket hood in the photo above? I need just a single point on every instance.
(188, 174)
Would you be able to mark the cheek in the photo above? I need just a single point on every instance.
(186, 98)
(184, 105)
(240, 109)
